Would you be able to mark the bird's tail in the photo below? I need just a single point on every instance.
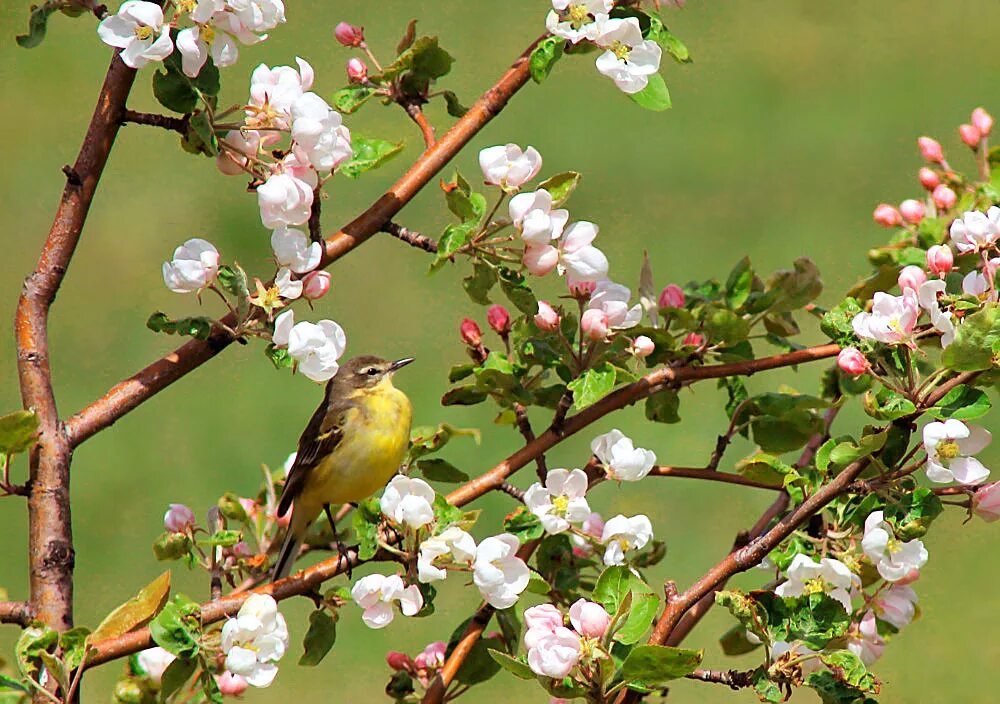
(297, 529)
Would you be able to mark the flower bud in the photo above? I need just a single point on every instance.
(672, 296)
(589, 619)
(887, 216)
(231, 685)
(178, 518)
(172, 546)
(986, 502)
(970, 134)
(594, 324)
(912, 210)
(911, 277)
(348, 34)
(931, 150)
(470, 333)
(943, 197)
(357, 71)
(547, 318)
(432, 657)
(498, 319)
(398, 661)
(581, 289)
(928, 178)
(642, 347)
(693, 339)
(940, 260)
(851, 361)
(983, 121)
(315, 285)
(249, 505)
(544, 618)
(540, 260)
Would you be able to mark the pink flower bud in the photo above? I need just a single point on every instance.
(546, 318)
(940, 259)
(928, 178)
(943, 197)
(544, 617)
(470, 333)
(642, 347)
(178, 518)
(315, 285)
(357, 71)
(931, 150)
(983, 121)
(241, 549)
(887, 216)
(581, 289)
(348, 34)
(498, 319)
(589, 619)
(911, 577)
(672, 296)
(912, 210)
(540, 260)
(249, 505)
(398, 661)
(595, 324)
(986, 502)
(432, 657)
(970, 134)
(693, 339)
(231, 685)
(911, 277)
(852, 362)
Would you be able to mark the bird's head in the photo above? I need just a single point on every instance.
(367, 371)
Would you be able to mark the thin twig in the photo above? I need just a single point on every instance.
(167, 122)
(734, 679)
(17, 612)
(524, 425)
(417, 115)
(414, 239)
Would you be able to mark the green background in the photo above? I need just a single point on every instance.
(796, 118)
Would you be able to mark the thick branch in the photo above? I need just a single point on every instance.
(18, 612)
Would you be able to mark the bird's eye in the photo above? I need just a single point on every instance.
(371, 371)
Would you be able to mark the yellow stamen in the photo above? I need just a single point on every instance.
(578, 15)
(560, 504)
(143, 31)
(813, 586)
(620, 50)
(947, 450)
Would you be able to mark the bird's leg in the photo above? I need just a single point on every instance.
(342, 550)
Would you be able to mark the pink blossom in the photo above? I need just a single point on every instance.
(852, 362)
(693, 339)
(315, 285)
(986, 502)
(249, 506)
(931, 150)
(642, 347)
(940, 259)
(470, 333)
(231, 685)
(540, 621)
(983, 121)
(357, 71)
(398, 661)
(672, 296)
(547, 318)
(539, 260)
(499, 319)
(581, 289)
(928, 178)
(555, 654)
(864, 640)
(348, 34)
(912, 210)
(970, 135)
(432, 657)
(887, 216)
(589, 618)
(594, 324)
(178, 518)
(593, 525)
(944, 197)
(911, 277)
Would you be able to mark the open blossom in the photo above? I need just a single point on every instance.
(539, 260)
(612, 299)
(534, 218)
(243, 145)
(927, 295)
(555, 654)
(284, 289)
(950, 446)
(293, 249)
(408, 501)
(589, 619)
(561, 501)
(593, 526)
(178, 518)
(319, 134)
(454, 545)
(623, 534)
(376, 594)
(273, 91)
(540, 621)
(893, 559)
(975, 231)
(497, 571)
(896, 605)
(629, 59)
(864, 641)
(986, 502)
(286, 197)
(508, 166)
(139, 31)
(622, 460)
(255, 640)
(577, 20)
(431, 657)
(579, 260)
(547, 318)
(258, 15)
(806, 576)
(196, 43)
(891, 320)
(154, 661)
(316, 347)
(194, 266)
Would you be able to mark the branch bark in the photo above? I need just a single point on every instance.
(18, 612)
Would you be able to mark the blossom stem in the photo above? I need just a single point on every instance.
(412, 238)
(167, 122)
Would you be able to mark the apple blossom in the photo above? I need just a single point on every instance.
(560, 502)
(983, 121)
(376, 594)
(357, 70)
(194, 266)
(273, 91)
(593, 526)
(912, 210)
(594, 324)
(612, 299)
(540, 621)
(555, 654)
(893, 559)
(976, 284)
(432, 656)
(236, 150)
(255, 640)
(316, 347)
(931, 150)
(319, 134)
(642, 347)
(349, 35)
(508, 166)
(547, 318)
(498, 319)
(589, 619)
(970, 135)
(315, 285)
(911, 277)
(293, 249)
(178, 519)
(950, 446)
(940, 260)
(621, 459)
(891, 320)
(581, 289)
(139, 31)
(975, 231)
(672, 296)
(927, 295)
(577, 20)
(540, 260)
(231, 685)
(629, 59)
(693, 339)
(622, 534)
(398, 661)
(896, 605)
(928, 178)
(986, 502)
(578, 259)
(535, 220)
(944, 197)
(798, 652)
(851, 361)
(829, 576)
(196, 43)
(887, 215)
(258, 15)
(470, 333)
(154, 661)
(285, 288)
(453, 543)
(286, 197)
(864, 641)
(497, 571)
(408, 501)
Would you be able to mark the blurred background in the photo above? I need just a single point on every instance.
(794, 120)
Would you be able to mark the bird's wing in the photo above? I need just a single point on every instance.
(324, 431)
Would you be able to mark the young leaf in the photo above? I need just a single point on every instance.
(176, 675)
(37, 22)
(561, 186)
(649, 666)
(17, 431)
(654, 96)
(365, 523)
(479, 283)
(453, 105)
(369, 153)
(515, 287)
(349, 99)
(171, 631)
(515, 666)
(176, 91)
(319, 638)
(135, 612)
(962, 403)
(438, 470)
(592, 386)
(544, 57)
(976, 341)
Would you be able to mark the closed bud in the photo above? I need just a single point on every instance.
(928, 178)
(172, 546)
(970, 134)
(547, 318)
(470, 333)
(231, 506)
(912, 210)
(672, 296)
(642, 347)
(349, 35)
(589, 619)
(944, 198)
(986, 502)
(581, 289)
(499, 319)
(400, 662)
(315, 285)
(887, 216)
(594, 324)
(940, 260)
(130, 691)
(231, 685)
(911, 277)
(983, 121)
(693, 339)
(357, 71)
(178, 518)
(931, 150)
(851, 361)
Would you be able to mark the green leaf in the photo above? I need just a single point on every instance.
(454, 107)
(962, 403)
(349, 99)
(177, 92)
(427, 439)
(74, 646)
(172, 546)
(452, 239)
(479, 283)
(847, 451)
(795, 287)
(735, 642)
(18, 431)
(655, 665)
(815, 619)
(515, 286)
(764, 468)
(173, 632)
(55, 669)
(561, 186)
(319, 638)
(592, 385)
(751, 615)
(37, 22)
(654, 96)
(176, 675)
(738, 284)
(209, 687)
(523, 524)
(466, 395)
(135, 612)
(365, 522)
(544, 57)
(845, 681)
(976, 341)
(33, 641)
(368, 154)
(667, 41)
(279, 357)
(663, 407)
(424, 60)
(723, 325)
(515, 666)
(619, 587)
(200, 137)
(886, 404)
(7, 682)
(479, 665)
(438, 470)
(199, 327)
(222, 539)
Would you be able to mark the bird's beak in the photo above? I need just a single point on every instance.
(400, 363)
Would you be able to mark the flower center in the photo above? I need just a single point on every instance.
(207, 34)
(143, 32)
(187, 5)
(560, 505)
(947, 450)
(893, 545)
(578, 15)
(620, 50)
(813, 586)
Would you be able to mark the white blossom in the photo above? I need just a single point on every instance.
(891, 320)
(497, 571)
(244, 145)
(975, 231)
(508, 166)
(258, 15)
(612, 299)
(139, 31)
(950, 446)
(555, 654)
(579, 260)
(534, 218)
(293, 249)
(196, 43)
(288, 288)
(927, 297)
(629, 59)
(316, 347)
(561, 501)
(806, 576)
(154, 661)
(286, 197)
(273, 91)
(896, 605)
(893, 558)
(255, 640)
(452, 546)
(408, 501)
(319, 133)
(576, 21)
(622, 460)
(376, 594)
(194, 266)
(623, 534)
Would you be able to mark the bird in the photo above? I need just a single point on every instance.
(353, 444)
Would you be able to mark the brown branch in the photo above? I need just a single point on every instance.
(414, 239)
(18, 612)
(167, 122)
(417, 115)
(709, 475)
(315, 216)
(130, 393)
(524, 425)
(734, 679)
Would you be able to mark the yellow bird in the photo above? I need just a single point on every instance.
(352, 447)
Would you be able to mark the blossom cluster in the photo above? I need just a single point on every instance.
(557, 644)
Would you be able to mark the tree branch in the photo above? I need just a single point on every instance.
(417, 115)
(167, 122)
(18, 612)
(709, 475)
(414, 239)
